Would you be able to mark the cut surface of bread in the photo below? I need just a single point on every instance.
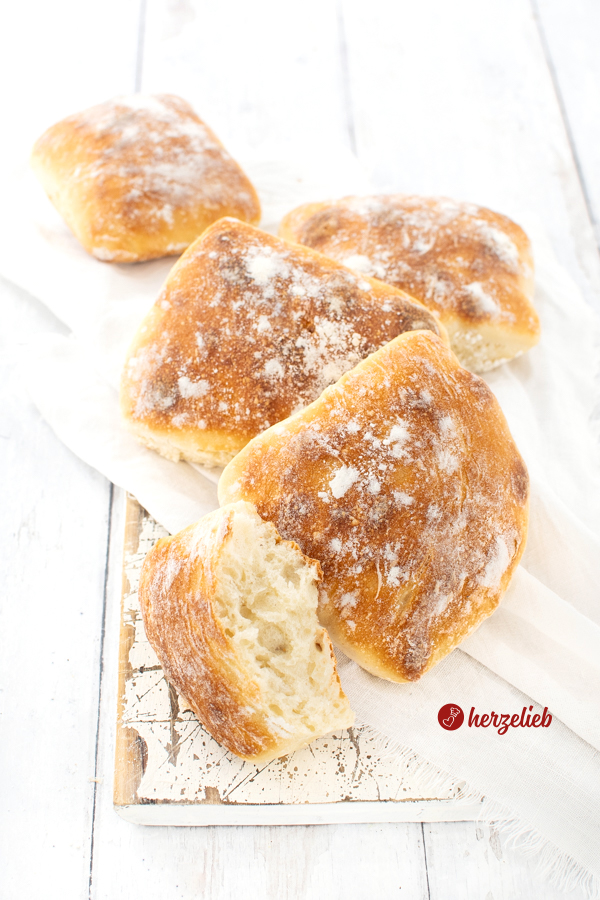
(247, 330)
(404, 482)
(470, 265)
(231, 611)
(140, 177)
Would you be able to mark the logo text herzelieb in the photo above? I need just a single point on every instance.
(452, 717)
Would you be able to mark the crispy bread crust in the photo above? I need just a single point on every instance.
(140, 177)
(469, 264)
(247, 330)
(404, 482)
(177, 597)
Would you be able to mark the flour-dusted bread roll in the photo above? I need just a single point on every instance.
(231, 611)
(248, 330)
(140, 177)
(470, 265)
(404, 482)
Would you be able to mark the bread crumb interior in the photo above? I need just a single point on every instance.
(266, 600)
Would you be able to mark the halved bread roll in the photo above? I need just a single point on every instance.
(470, 265)
(231, 611)
(140, 177)
(247, 330)
(403, 480)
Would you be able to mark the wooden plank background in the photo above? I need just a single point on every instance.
(495, 102)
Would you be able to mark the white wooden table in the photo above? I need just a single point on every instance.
(494, 101)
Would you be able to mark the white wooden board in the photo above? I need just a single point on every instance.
(170, 771)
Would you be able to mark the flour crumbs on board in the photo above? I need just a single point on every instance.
(164, 757)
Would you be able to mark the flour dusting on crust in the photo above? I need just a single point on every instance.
(469, 264)
(404, 482)
(249, 329)
(140, 167)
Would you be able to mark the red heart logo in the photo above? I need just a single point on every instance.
(451, 716)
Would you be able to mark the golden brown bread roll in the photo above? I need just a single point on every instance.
(247, 330)
(140, 177)
(470, 265)
(231, 611)
(404, 482)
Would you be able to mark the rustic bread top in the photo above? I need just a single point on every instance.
(471, 265)
(404, 482)
(248, 330)
(140, 177)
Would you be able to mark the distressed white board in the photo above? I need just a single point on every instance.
(169, 770)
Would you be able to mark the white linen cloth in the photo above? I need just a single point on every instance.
(541, 647)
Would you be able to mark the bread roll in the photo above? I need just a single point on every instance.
(140, 177)
(404, 482)
(230, 610)
(470, 265)
(247, 330)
